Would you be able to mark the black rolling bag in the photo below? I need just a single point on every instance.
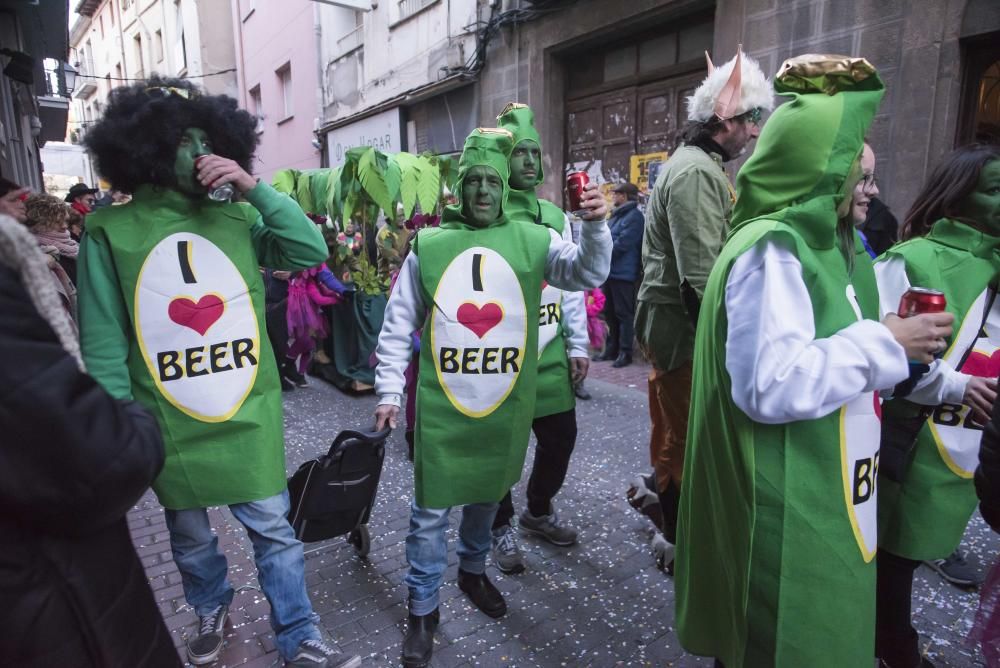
(333, 495)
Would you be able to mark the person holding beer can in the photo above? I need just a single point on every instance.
(775, 562)
(951, 244)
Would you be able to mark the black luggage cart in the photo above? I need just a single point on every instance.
(333, 495)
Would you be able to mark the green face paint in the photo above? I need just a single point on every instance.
(482, 194)
(982, 205)
(525, 161)
(194, 143)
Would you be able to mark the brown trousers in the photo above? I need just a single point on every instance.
(669, 402)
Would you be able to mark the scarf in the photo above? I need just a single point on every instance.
(20, 252)
(61, 241)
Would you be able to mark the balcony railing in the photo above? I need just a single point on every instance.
(408, 8)
(352, 40)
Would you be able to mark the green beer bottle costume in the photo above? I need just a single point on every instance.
(171, 285)
(924, 516)
(554, 388)
(777, 536)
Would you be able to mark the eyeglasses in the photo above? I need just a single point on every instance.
(754, 115)
(868, 181)
(159, 92)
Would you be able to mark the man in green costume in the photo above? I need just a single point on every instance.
(687, 220)
(171, 311)
(473, 286)
(777, 533)
(951, 243)
(562, 357)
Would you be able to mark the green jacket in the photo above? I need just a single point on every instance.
(687, 219)
(172, 313)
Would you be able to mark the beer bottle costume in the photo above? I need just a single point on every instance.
(171, 286)
(777, 536)
(562, 317)
(924, 516)
(475, 292)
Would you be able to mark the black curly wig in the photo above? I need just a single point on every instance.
(136, 140)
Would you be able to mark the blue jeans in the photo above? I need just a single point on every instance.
(427, 549)
(277, 553)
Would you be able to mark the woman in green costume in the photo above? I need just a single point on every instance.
(777, 532)
(951, 243)
(473, 286)
(172, 312)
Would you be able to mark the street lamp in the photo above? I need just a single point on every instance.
(69, 78)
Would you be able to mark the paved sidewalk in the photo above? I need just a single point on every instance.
(600, 603)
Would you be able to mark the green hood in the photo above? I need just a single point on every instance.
(484, 146)
(519, 120)
(809, 145)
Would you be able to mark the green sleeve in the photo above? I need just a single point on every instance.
(696, 211)
(283, 237)
(104, 319)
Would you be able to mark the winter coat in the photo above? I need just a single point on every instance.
(73, 461)
(988, 473)
(626, 223)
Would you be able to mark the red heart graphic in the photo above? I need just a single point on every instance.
(480, 319)
(979, 364)
(198, 317)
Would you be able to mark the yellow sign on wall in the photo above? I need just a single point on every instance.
(644, 168)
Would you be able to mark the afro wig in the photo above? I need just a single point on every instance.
(136, 140)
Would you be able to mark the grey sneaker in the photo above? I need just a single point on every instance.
(955, 569)
(548, 527)
(205, 647)
(317, 654)
(506, 554)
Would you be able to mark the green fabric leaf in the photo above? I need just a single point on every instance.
(380, 179)
(410, 169)
(284, 181)
(429, 185)
(334, 199)
(319, 184)
(303, 195)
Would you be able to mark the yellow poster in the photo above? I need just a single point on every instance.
(644, 168)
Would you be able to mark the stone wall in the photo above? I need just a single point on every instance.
(913, 43)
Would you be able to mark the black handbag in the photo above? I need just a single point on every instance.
(333, 495)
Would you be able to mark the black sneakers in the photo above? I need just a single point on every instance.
(317, 654)
(955, 569)
(205, 647)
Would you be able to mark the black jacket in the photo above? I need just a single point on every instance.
(880, 226)
(988, 473)
(72, 462)
(626, 225)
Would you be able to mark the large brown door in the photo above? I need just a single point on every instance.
(614, 126)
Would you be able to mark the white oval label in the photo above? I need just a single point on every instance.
(860, 435)
(549, 315)
(196, 327)
(478, 331)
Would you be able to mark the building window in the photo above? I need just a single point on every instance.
(158, 45)
(355, 37)
(180, 46)
(257, 107)
(285, 83)
(140, 63)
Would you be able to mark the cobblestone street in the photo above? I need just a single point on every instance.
(600, 603)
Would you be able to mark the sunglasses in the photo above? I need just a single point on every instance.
(754, 115)
(160, 92)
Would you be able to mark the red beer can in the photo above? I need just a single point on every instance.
(916, 301)
(575, 183)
